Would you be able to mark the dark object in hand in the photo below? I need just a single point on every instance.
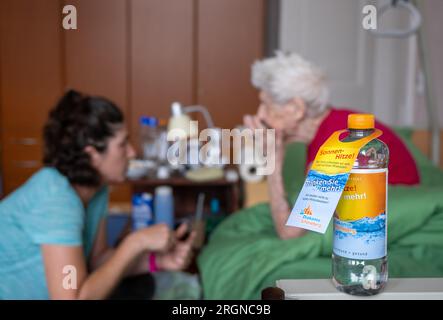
(266, 124)
(187, 233)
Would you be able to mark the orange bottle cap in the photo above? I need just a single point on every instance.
(163, 122)
(361, 121)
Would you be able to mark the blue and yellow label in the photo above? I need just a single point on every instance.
(326, 181)
(360, 218)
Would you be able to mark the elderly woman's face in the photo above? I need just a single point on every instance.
(280, 117)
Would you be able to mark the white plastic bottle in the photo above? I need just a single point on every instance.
(359, 259)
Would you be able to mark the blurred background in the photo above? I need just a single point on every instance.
(145, 54)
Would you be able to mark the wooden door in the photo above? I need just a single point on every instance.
(96, 53)
(31, 82)
(230, 39)
(97, 58)
(142, 54)
(162, 61)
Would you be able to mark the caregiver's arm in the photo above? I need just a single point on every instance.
(176, 259)
(66, 271)
(279, 206)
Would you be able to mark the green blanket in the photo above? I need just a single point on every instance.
(244, 254)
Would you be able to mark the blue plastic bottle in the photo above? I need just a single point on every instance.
(164, 206)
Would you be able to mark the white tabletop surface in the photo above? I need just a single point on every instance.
(406, 288)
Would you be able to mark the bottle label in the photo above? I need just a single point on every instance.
(360, 217)
(142, 213)
(325, 182)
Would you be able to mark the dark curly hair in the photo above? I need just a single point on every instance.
(78, 121)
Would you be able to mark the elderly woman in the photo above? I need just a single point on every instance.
(294, 101)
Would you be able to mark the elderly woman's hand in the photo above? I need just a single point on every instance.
(256, 121)
(262, 120)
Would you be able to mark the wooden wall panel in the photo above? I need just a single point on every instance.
(230, 39)
(162, 56)
(97, 55)
(142, 54)
(31, 81)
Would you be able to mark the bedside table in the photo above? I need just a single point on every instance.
(396, 289)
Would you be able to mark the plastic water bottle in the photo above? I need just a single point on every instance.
(148, 137)
(142, 211)
(162, 142)
(359, 259)
(164, 206)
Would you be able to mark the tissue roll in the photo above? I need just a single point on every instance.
(248, 172)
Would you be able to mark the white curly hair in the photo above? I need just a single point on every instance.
(287, 76)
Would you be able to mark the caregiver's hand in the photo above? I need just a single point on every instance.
(179, 257)
(154, 238)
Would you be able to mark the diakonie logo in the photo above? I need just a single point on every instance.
(249, 147)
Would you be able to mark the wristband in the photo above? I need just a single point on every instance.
(152, 263)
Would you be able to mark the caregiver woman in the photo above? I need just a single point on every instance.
(294, 101)
(56, 222)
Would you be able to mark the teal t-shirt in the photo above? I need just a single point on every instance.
(45, 210)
